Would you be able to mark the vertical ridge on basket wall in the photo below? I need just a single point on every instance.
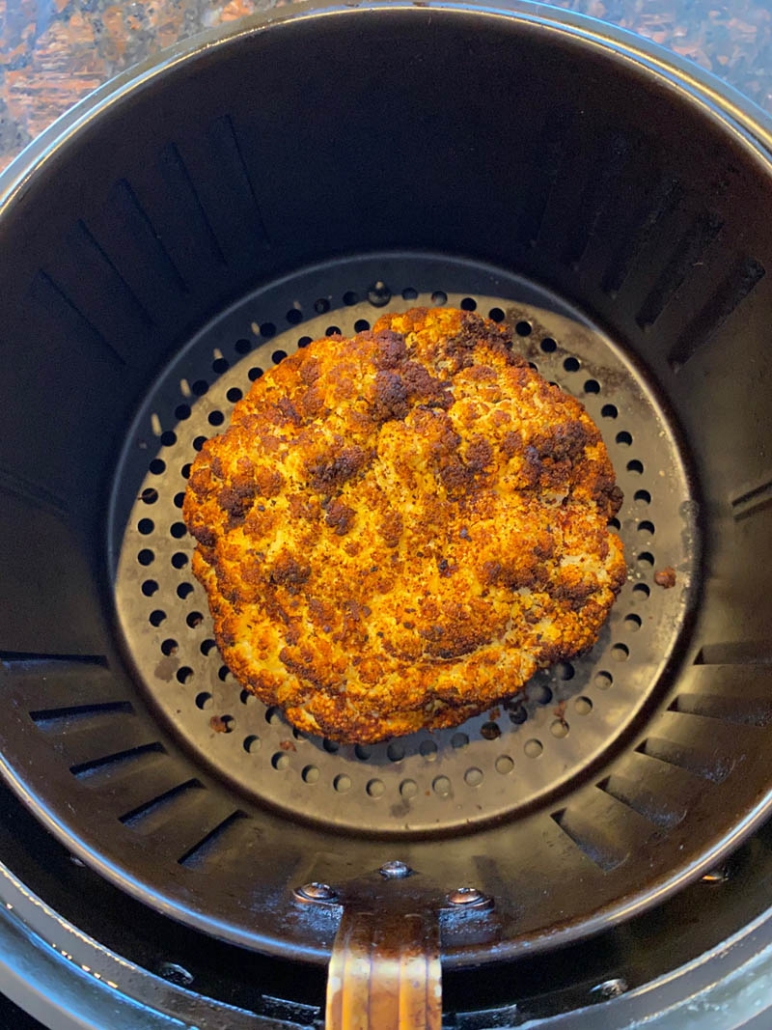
(113, 763)
(219, 839)
(90, 739)
(607, 164)
(655, 807)
(592, 839)
(87, 275)
(695, 759)
(547, 162)
(58, 681)
(739, 282)
(181, 819)
(647, 217)
(221, 181)
(57, 317)
(173, 206)
(136, 249)
(736, 653)
(755, 499)
(685, 258)
(36, 494)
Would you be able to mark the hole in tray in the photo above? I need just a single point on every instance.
(533, 748)
(428, 750)
(504, 765)
(408, 789)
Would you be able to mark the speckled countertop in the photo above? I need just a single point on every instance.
(54, 52)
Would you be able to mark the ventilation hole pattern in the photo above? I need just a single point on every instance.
(395, 778)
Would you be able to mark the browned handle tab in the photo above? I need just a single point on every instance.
(385, 972)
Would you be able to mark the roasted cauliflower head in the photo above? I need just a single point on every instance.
(397, 530)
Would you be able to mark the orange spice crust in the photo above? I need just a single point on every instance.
(396, 531)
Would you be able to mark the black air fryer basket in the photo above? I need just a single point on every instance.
(298, 176)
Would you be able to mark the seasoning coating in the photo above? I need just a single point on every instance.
(396, 531)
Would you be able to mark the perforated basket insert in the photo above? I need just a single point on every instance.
(486, 768)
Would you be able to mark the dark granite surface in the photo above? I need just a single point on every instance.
(54, 52)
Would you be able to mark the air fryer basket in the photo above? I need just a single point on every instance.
(309, 172)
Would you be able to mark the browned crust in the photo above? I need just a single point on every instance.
(396, 531)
